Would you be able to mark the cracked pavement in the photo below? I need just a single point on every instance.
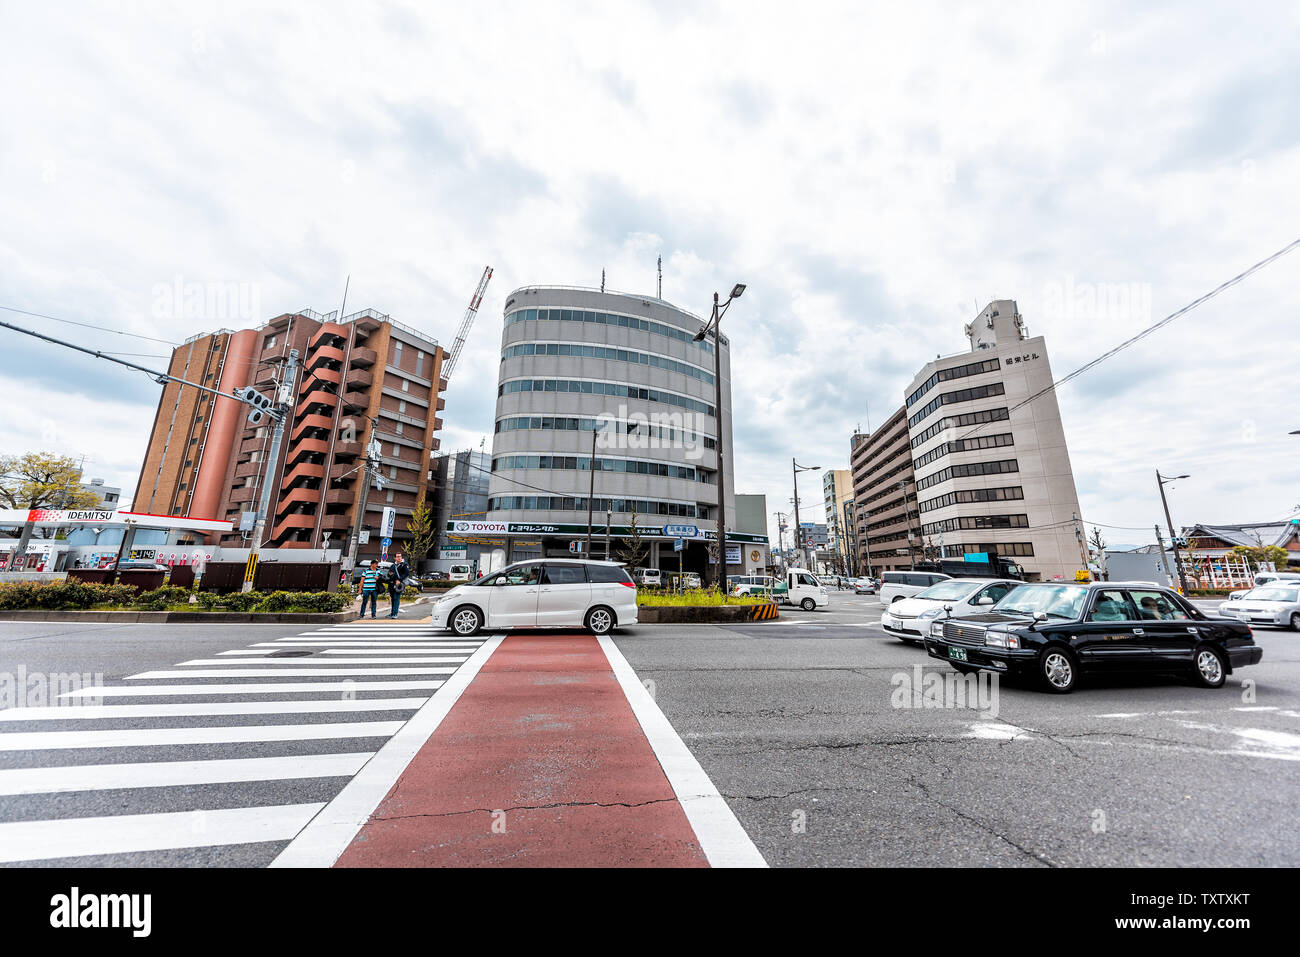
(795, 726)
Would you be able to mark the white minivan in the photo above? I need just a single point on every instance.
(553, 593)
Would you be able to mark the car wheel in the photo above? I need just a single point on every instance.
(1058, 669)
(1295, 621)
(466, 620)
(600, 620)
(1208, 668)
(896, 598)
(808, 604)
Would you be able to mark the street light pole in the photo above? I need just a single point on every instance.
(1173, 537)
(591, 490)
(795, 469)
(716, 322)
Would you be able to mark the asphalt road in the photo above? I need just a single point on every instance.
(800, 723)
(795, 721)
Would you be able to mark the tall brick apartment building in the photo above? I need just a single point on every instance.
(204, 459)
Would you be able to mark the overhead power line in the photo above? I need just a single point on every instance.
(1244, 274)
(88, 325)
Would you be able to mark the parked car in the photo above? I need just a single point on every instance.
(895, 586)
(598, 596)
(648, 577)
(757, 585)
(1265, 578)
(908, 618)
(1275, 604)
(1060, 631)
(691, 580)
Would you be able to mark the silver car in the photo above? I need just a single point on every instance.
(1274, 604)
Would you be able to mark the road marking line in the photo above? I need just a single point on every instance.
(331, 831)
(220, 734)
(196, 709)
(339, 687)
(464, 653)
(161, 774)
(321, 662)
(129, 833)
(722, 838)
(286, 673)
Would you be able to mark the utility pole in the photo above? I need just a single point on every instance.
(370, 453)
(1083, 544)
(279, 413)
(1164, 559)
(1173, 536)
(866, 540)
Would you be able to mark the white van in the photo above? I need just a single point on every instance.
(649, 577)
(803, 589)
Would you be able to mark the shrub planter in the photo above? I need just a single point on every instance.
(686, 614)
(167, 617)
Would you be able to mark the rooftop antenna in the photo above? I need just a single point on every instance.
(659, 289)
(868, 416)
(602, 280)
(343, 308)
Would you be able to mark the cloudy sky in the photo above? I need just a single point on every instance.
(875, 173)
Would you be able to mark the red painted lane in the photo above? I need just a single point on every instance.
(545, 734)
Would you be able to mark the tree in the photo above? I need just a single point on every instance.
(632, 550)
(1258, 555)
(424, 533)
(1099, 549)
(42, 480)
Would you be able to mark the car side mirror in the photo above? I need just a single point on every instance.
(986, 600)
(1039, 618)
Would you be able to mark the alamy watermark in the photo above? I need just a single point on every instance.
(920, 689)
(1086, 301)
(211, 301)
(626, 430)
(43, 689)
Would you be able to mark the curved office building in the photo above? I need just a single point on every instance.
(580, 366)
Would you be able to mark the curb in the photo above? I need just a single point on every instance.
(172, 617)
(705, 614)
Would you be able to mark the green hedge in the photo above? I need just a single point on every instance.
(80, 595)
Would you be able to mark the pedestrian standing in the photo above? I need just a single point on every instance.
(398, 573)
(369, 590)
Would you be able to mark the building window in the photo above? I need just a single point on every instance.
(399, 428)
(401, 406)
(406, 385)
(419, 362)
(270, 341)
(389, 498)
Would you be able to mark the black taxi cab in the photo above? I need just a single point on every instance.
(1059, 631)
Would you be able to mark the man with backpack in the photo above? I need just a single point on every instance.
(369, 589)
(398, 573)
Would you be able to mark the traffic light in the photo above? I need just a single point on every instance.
(259, 403)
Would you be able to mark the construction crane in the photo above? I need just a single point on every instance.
(463, 331)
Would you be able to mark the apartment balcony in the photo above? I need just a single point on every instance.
(442, 385)
(247, 469)
(435, 444)
(292, 523)
(437, 424)
(244, 494)
(442, 404)
(356, 401)
(344, 472)
(357, 378)
(361, 356)
(347, 449)
(340, 496)
(335, 523)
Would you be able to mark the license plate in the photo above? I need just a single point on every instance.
(957, 654)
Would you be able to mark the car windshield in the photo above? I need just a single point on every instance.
(1274, 593)
(949, 589)
(1055, 601)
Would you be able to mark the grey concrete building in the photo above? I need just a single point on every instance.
(606, 396)
(992, 472)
